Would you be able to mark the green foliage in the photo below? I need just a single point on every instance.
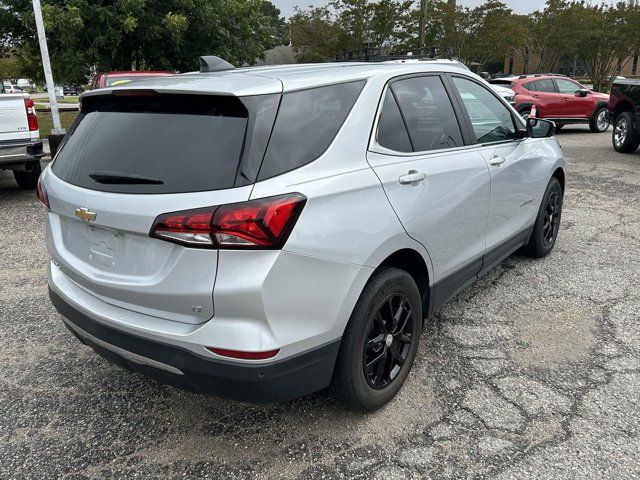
(136, 34)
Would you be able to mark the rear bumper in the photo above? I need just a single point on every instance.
(275, 382)
(20, 152)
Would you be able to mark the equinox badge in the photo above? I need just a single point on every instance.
(85, 214)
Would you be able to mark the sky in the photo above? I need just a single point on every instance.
(519, 6)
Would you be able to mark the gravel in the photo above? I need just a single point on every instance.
(533, 372)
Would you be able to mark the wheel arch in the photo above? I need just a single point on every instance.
(559, 174)
(414, 264)
(623, 106)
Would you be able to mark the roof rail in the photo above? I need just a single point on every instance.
(211, 63)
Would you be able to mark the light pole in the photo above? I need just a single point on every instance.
(57, 132)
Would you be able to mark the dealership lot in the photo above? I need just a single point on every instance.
(533, 372)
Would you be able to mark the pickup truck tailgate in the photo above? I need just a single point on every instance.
(13, 118)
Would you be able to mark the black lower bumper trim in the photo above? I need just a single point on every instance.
(275, 382)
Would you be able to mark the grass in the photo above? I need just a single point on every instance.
(45, 121)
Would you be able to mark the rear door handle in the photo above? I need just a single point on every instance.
(496, 161)
(412, 178)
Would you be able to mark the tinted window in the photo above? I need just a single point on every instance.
(427, 113)
(567, 86)
(392, 133)
(306, 124)
(545, 86)
(530, 86)
(188, 143)
(490, 118)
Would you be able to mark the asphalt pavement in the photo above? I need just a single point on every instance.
(533, 372)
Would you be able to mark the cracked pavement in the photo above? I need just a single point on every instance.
(533, 372)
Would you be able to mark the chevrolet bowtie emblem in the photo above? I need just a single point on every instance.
(84, 214)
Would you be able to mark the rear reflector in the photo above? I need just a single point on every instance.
(256, 224)
(42, 193)
(31, 114)
(244, 355)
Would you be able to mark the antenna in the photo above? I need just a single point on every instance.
(211, 63)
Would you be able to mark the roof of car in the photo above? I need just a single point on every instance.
(278, 78)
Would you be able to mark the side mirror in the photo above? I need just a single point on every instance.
(539, 128)
(583, 92)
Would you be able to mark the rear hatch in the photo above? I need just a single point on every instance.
(132, 156)
(13, 118)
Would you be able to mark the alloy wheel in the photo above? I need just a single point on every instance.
(551, 218)
(601, 122)
(620, 132)
(388, 341)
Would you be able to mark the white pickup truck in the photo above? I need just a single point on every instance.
(20, 143)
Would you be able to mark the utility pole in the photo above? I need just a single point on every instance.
(423, 14)
(46, 65)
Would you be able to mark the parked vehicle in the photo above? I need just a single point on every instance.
(506, 93)
(624, 112)
(560, 99)
(8, 87)
(20, 144)
(108, 79)
(316, 216)
(71, 89)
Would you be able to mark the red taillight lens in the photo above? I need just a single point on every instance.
(42, 193)
(244, 355)
(31, 114)
(265, 223)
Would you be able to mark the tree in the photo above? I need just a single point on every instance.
(137, 34)
(278, 24)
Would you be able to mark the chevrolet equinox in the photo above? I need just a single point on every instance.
(261, 233)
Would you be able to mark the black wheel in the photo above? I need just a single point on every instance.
(599, 121)
(28, 179)
(380, 342)
(525, 113)
(545, 230)
(625, 138)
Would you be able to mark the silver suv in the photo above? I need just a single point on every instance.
(260, 233)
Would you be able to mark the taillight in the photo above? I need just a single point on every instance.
(244, 355)
(42, 193)
(256, 224)
(31, 114)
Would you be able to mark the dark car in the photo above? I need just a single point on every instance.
(624, 112)
(558, 98)
(71, 89)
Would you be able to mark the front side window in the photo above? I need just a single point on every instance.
(491, 119)
(567, 86)
(418, 116)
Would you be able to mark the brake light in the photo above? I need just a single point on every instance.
(31, 114)
(256, 224)
(243, 354)
(42, 193)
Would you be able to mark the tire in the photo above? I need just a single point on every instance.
(559, 127)
(599, 122)
(525, 114)
(545, 230)
(28, 180)
(389, 290)
(625, 138)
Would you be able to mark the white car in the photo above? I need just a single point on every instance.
(259, 233)
(506, 93)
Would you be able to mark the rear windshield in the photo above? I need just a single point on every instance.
(154, 143)
(504, 83)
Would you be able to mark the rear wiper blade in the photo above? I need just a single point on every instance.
(115, 178)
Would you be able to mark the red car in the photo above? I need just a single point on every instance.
(108, 79)
(560, 99)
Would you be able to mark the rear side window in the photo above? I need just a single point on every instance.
(307, 123)
(427, 113)
(392, 132)
(154, 143)
(545, 86)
